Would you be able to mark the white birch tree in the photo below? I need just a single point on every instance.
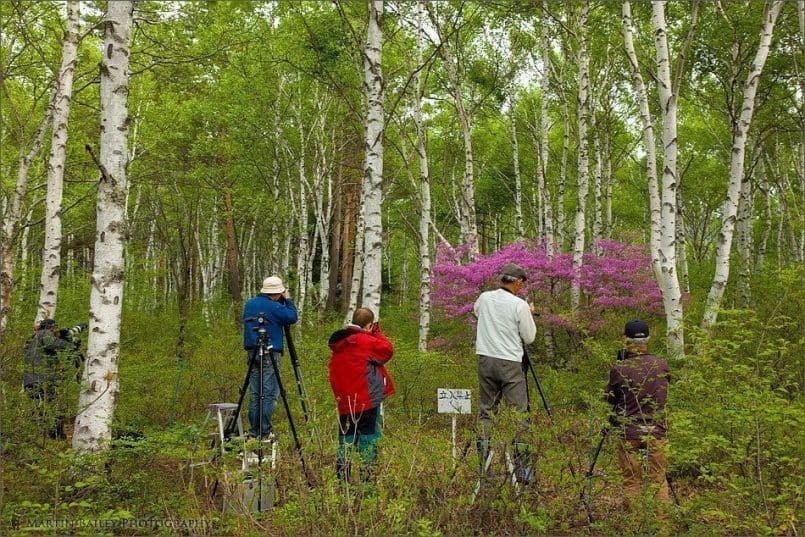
(372, 191)
(544, 122)
(583, 103)
(100, 384)
(12, 217)
(51, 252)
(740, 131)
(669, 284)
(424, 189)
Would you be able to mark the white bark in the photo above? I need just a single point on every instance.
(373, 165)
(739, 137)
(302, 215)
(682, 242)
(744, 244)
(669, 284)
(583, 104)
(12, 217)
(598, 206)
(649, 141)
(424, 192)
(357, 264)
(518, 184)
(100, 384)
(561, 220)
(544, 121)
(662, 211)
(51, 252)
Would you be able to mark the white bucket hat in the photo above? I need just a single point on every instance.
(272, 286)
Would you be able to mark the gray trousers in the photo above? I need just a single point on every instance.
(498, 379)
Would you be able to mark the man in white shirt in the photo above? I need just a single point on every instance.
(505, 324)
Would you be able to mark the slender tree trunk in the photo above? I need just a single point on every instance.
(764, 240)
(739, 136)
(373, 165)
(671, 291)
(682, 241)
(99, 389)
(232, 270)
(598, 206)
(424, 192)
(357, 263)
(51, 252)
(561, 220)
(12, 217)
(649, 141)
(745, 244)
(583, 104)
(518, 185)
(662, 211)
(544, 122)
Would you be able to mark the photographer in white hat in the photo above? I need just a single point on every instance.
(274, 306)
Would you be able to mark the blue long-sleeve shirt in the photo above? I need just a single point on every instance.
(279, 314)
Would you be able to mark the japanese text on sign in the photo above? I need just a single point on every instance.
(454, 401)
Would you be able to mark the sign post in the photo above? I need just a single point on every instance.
(452, 401)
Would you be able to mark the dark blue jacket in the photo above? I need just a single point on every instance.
(278, 313)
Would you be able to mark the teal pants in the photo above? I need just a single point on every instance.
(361, 432)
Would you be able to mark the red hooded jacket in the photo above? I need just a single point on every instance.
(357, 376)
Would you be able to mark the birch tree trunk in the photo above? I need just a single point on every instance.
(357, 264)
(561, 220)
(583, 104)
(740, 131)
(671, 292)
(744, 244)
(373, 164)
(518, 185)
(598, 206)
(544, 123)
(662, 211)
(12, 217)
(424, 191)
(51, 252)
(99, 389)
(649, 141)
(682, 241)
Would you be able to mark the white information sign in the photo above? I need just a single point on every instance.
(451, 401)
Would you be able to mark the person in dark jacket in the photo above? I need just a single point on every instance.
(638, 390)
(360, 384)
(275, 306)
(45, 369)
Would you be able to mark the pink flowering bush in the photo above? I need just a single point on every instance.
(617, 280)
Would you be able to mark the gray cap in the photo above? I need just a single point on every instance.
(513, 270)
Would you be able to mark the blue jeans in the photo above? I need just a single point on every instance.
(270, 392)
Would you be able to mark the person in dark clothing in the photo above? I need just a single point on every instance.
(360, 384)
(638, 390)
(46, 358)
(275, 306)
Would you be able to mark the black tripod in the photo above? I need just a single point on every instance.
(604, 433)
(530, 366)
(300, 384)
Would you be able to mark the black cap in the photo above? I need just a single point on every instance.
(514, 271)
(636, 329)
(46, 323)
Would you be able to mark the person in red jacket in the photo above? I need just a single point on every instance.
(360, 383)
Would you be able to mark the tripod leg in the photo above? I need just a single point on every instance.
(300, 383)
(284, 397)
(243, 388)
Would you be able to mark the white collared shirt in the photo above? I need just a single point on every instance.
(504, 324)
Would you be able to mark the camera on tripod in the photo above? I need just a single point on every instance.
(69, 334)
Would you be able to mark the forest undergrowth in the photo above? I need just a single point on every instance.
(736, 452)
